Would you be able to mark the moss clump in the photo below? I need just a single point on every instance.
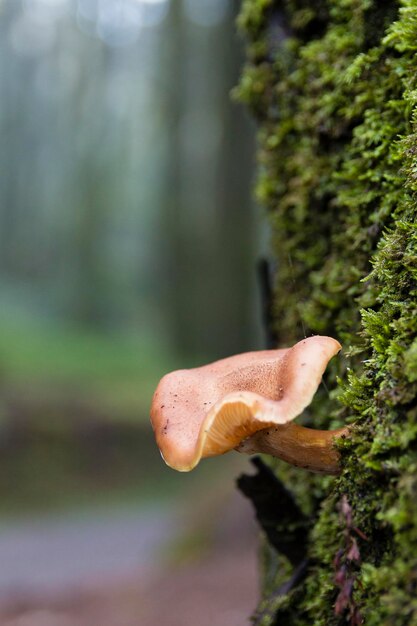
(333, 85)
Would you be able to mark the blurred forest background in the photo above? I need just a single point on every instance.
(127, 237)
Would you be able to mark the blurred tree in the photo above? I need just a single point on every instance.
(208, 224)
(125, 168)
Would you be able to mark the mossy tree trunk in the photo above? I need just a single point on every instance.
(333, 86)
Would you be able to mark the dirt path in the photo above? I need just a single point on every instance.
(110, 574)
(51, 554)
(220, 590)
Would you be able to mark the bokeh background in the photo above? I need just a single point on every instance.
(128, 242)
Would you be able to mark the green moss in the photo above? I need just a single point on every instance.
(334, 90)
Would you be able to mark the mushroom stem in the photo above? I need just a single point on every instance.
(304, 447)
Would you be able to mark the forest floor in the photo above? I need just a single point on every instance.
(217, 591)
(208, 578)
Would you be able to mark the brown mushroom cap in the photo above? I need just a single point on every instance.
(212, 409)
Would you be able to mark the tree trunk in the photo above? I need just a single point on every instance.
(204, 268)
(333, 86)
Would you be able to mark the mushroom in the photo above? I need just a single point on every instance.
(246, 402)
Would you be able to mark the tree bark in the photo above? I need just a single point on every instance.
(333, 88)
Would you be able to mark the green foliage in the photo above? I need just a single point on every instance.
(65, 365)
(334, 90)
